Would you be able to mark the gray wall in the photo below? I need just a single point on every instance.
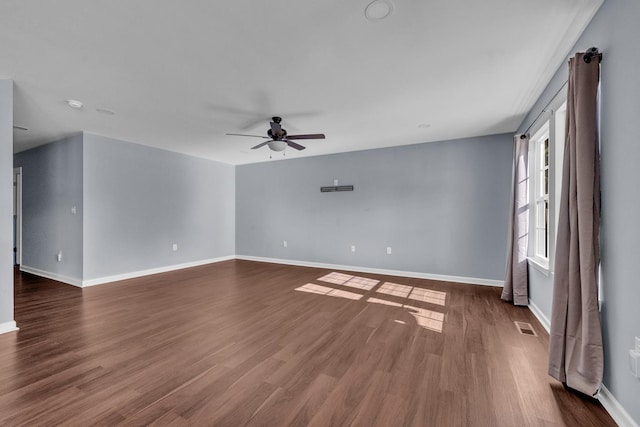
(442, 207)
(6, 201)
(615, 31)
(138, 201)
(51, 186)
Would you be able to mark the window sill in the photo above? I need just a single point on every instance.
(540, 265)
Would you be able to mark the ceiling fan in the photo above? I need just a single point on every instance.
(278, 137)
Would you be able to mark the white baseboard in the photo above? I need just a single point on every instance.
(439, 277)
(615, 409)
(8, 327)
(140, 273)
(608, 401)
(54, 276)
(544, 320)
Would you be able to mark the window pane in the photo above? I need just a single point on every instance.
(546, 181)
(546, 229)
(546, 152)
(540, 175)
(540, 242)
(540, 220)
(540, 184)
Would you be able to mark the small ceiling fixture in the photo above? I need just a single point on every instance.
(74, 104)
(378, 10)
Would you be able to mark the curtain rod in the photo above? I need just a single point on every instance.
(591, 53)
(544, 110)
(588, 56)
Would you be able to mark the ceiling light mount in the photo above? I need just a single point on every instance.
(378, 10)
(74, 104)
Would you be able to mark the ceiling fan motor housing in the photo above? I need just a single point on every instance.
(283, 134)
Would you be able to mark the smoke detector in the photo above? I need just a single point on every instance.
(378, 10)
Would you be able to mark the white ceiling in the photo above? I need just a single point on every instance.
(181, 74)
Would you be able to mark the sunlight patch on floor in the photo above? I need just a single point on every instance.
(351, 281)
(427, 295)
(325, 290)
(427, 319)
(362, 283)
(384, 301)
(335, 278)
(395, 289)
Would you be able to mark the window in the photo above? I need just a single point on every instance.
(546, 148)
(540, 142)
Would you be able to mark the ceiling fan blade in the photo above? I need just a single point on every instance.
(294, 145)
(262, 144)
(308, 136)
(242, 134)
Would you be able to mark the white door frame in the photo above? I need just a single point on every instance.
(17, 211)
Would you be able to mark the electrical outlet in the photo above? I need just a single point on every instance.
(73, 210)
(388, 250)
(353, 248)
(59, 256)
(335, 182)
(175, 247)
(284, 243)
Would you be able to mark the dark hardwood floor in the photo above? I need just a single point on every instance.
(245, 343)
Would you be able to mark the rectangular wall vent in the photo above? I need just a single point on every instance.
(525, 328)
(336, 188)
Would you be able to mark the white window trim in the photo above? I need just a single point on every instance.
(555, 117)
(542, 133)
(542, 268)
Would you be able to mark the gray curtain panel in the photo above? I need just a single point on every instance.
(516, 283)
(575, 348)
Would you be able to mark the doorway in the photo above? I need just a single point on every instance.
(17, 216)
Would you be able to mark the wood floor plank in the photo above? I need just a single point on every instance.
(245, 343)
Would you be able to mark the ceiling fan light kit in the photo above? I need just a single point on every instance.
(277, 145)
